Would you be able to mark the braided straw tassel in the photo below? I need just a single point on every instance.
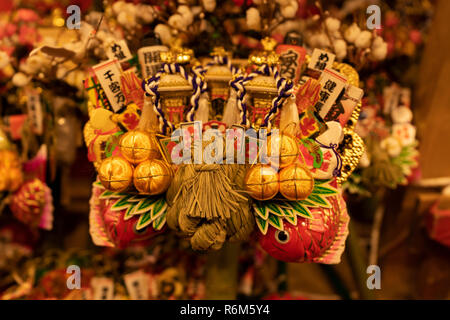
(206, 206)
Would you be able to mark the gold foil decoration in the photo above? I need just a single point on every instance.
(115, 174)
(137, 146)
(296, 182)
(261, 182)
(352, 152)
(152, 177)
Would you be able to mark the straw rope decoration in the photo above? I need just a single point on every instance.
(150, 86)
(285, 90)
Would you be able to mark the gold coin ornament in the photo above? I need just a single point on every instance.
(296, 182)
(152, 177)
(137, 146)
(287, 152)
(261, 182)
(115, 174)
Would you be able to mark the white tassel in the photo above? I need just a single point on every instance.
(289, 120)
(202, 113)
(231, 110)
(149, 120)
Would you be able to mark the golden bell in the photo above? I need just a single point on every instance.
(137, 146)
(296, 182)
(115, 174)
(261, 182)
(152, 177)
(288, 150)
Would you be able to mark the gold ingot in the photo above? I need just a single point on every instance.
(115, 174)
(287, 152)
(261, 182)
(296, 182)
(137, 146)
(152, 177)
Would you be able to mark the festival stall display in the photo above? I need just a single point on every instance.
(248, 122)
(173, 167)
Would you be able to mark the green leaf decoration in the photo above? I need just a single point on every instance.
(301, 210)
(274, 212)
(307, 203)
(318, 200)
(319, 181)
(276, 222)
(144, 205)
(150, 208)
(159, 208)
(262, 225)
(144, 220)
(106, 194)
(286, 208)
(122, 203)
(261, 210)
(98, 183)
(323, 190)
(273, 208)
(128, 214)
(292, 219)
(158, 223)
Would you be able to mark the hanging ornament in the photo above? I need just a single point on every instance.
(115, 173)
(261, 182)
(137, 146)
(152, 177)
(32, 204)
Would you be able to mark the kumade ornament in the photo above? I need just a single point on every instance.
(32, 204)
(294, 198)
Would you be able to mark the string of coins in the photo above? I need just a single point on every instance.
(139, 164)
